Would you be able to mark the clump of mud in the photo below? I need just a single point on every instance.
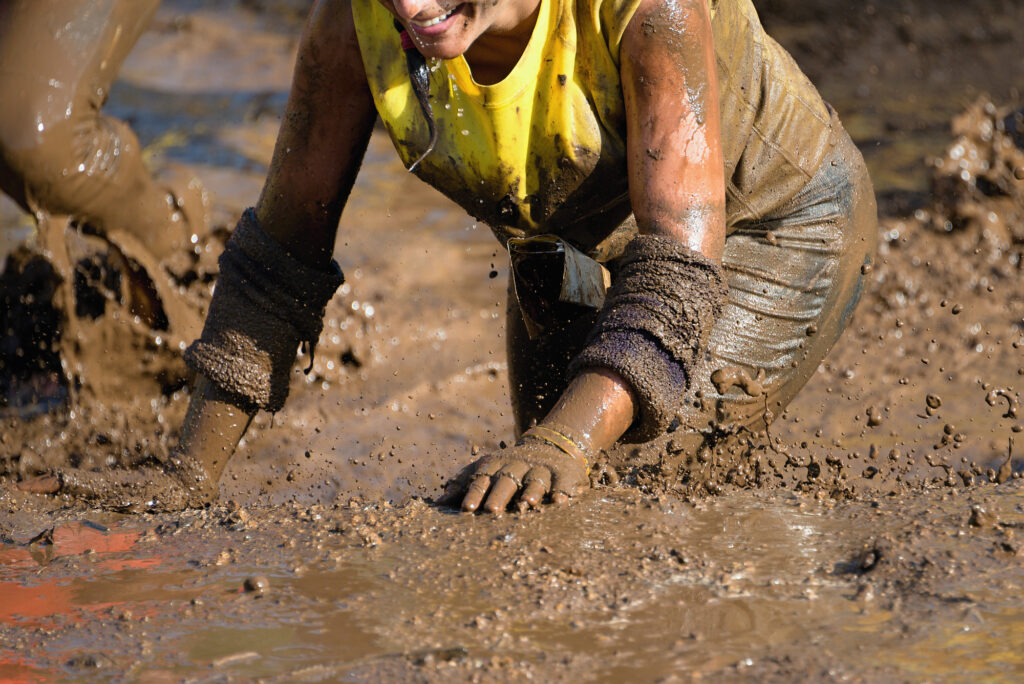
(978, 184)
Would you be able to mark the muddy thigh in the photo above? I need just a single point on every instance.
(794, 281)
(58, 153)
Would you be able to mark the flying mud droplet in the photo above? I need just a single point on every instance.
(1006, 469)
(874, 417)
(932, 404)
(1012, 405)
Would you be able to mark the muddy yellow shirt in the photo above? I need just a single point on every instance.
(544, 150)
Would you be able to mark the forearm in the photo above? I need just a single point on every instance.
(595, 410)
(212, 429)
(324, 133)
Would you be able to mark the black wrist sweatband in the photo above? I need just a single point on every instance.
(265, 304)
(653, 326)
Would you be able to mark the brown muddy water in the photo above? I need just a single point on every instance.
(881, 541)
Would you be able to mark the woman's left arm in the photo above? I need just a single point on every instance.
(677, 191)
(674, 138)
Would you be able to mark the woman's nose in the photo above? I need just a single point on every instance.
(407, 9)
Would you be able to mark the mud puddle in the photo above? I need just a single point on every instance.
(753, 586)
(860, 562)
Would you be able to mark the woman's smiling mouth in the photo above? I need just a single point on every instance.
(435, 25)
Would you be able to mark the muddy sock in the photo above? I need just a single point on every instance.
(654, 324)
(265, 304)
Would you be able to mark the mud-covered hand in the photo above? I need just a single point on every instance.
(175, 485)
(544, 463)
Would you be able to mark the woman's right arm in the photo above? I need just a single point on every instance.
(324, 134)
(320, 146)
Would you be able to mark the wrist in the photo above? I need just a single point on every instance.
(562, 440)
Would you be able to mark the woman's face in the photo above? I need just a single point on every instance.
(445, 29)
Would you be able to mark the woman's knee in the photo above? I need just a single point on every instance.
(537, 366)
(791, 296)
(52, 163)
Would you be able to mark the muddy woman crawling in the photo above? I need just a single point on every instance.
(687, 220)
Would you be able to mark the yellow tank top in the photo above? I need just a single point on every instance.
(544, 150)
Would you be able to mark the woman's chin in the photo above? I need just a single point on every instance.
(443, 50)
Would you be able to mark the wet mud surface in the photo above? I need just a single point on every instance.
(874, 535)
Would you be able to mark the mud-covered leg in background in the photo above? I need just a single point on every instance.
(72, 167)
(58, 152)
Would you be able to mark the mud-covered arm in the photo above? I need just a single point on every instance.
(320, 146)
(323, 137)
(669, 287)
(674, 138)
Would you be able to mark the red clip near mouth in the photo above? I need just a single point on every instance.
(407, 43)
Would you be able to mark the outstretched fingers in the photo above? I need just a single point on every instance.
(537, 483)
(478, 486)
(525, 476)
(505, 486)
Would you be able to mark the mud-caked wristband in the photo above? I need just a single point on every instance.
(654, 325)
(265, 304)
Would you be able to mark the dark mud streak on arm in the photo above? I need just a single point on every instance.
(674, 150)
(323, 137)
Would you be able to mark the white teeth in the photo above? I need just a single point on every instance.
(435, 20)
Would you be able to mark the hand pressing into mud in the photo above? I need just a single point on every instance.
(212, 429)
(175, 485)
(545, 463)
